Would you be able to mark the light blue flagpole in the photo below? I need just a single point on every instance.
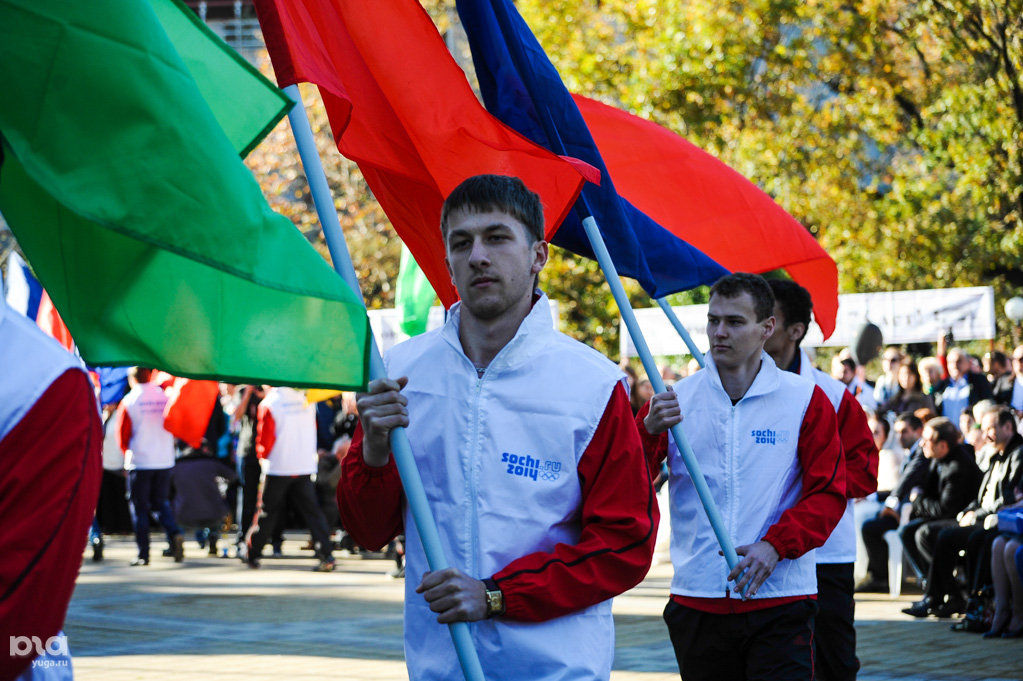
(400, 448)
(677, 323)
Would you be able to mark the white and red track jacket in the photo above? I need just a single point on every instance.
(50, 470)
(286, 433)
(535, 474)
(861, 460)
(773, 463)
(145, 442)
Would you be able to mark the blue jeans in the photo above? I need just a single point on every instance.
(149, 491)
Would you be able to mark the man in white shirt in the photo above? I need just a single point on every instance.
(149, 458)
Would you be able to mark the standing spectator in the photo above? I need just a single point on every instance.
(245, 417)
(1009, 388)
(780, 475)
(978, 522)
(909, 432)
(908, 395)
(961, 389)
(888, 383)
(995, 365)
(149, 458)
(834, 635)
(844, 369)
(286, 440)
(951, 483)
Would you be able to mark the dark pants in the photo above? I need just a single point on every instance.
(150, 491)
(834, 634)
(299, 490)
(773, 644)
(873, 532)
(919, 538)
(249, 474)
(951, 540)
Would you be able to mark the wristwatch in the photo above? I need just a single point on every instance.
(495, 599)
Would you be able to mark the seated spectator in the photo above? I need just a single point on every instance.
(950, 485)
(909, 395)
(844, 370)
(977, 524)
(912, 473)
(888, 383)
(1007, 574)
(963, 388)
(1009, 387)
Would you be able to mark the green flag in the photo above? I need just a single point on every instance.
(413, 295)
(149, 233)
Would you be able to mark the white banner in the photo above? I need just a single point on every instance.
(902, 316)
(386, 324)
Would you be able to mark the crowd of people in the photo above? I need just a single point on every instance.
(268, 460)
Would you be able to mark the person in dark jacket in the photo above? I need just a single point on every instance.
(909, 431)
(950, 485)
(198, 500)
(977, 524)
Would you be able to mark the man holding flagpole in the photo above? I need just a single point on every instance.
(767, 442)
(529, 455)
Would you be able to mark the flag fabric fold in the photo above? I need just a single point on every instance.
(400, 107)
(132, 205)
(413, 295)
(189, 407)
(521, 87)
(700, 199)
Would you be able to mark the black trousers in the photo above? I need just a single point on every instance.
(873, 532)
(299, 490)
(951, 540)
(835, 635)
(774, 644)
(919, 539)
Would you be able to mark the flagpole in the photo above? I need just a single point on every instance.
(677, 323)
(401, 450)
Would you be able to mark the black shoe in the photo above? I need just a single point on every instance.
(325, 565)
(1013, 633)
(253, 563)
(97, 549)
(139, 561)
(168, 552)
(997, 632)
(178, 548)
(921, 608)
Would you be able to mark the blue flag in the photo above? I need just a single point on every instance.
(521, 87)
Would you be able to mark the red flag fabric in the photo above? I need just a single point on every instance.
(711, 206)
(189, 407)
(402, 108)
(49, 321)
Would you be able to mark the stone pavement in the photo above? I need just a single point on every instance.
(213, 617)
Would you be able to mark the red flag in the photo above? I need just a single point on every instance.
(402, 108)
(700, 199)
(189, 407)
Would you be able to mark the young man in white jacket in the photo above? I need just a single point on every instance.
(529, 454)
(767, 443)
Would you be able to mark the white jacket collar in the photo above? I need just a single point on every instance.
(766, 380)
(527, 340)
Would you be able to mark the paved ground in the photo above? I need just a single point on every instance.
(212, 617)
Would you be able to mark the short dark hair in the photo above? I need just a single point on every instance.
(482, 193)
(911, 420)
(734, 285)
(794, 301)
(998, 357)
(140, 374)
(883, 422)
(945, 430)
(849, 363)
(1005, 415)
